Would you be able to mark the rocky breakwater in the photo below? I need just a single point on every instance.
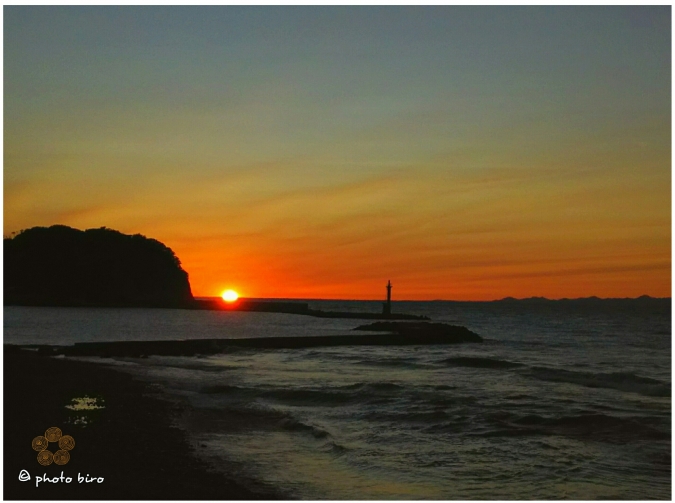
(405, 333)
(385, 334)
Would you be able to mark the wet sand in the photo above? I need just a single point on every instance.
(131, 442)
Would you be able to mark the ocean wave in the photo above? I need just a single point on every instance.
(520, 397)
(221, 388)
(292, 424)
(257, 416)
(246, 416)
(336, 449)
(598, 426)
(381, 386)
(330, 396)
(392, 362)
(480, 362)
(206, 367)
(285, 395)
(621, 381)
(413, 416)
(309, 396)
(590, 426)
(508, 432)
(443, 387)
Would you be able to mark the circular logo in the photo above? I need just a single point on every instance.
(53, 434)
(45, 458)
(40, 443)
(66, 442)
(61, 457)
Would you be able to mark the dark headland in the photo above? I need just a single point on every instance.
(62, 266)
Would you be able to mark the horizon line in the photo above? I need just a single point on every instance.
(507, 299)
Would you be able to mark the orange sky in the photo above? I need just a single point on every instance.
(457, 158)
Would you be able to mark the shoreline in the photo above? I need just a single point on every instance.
(132, 442)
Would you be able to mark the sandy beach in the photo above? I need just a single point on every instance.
(131, 443)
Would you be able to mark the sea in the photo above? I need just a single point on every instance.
(562, 400)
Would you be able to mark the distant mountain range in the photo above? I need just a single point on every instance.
(582, 299)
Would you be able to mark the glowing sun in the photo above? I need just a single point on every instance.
(230, 295)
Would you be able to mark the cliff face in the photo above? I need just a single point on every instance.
(62, 266)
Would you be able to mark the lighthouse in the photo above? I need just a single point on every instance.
(386, 306)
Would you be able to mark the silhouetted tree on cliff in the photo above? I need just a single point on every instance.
(60, 266)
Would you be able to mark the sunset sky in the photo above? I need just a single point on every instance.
(464, 153)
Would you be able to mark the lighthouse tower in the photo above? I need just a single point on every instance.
(386, 306)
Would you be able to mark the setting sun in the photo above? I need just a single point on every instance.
(230, 295)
